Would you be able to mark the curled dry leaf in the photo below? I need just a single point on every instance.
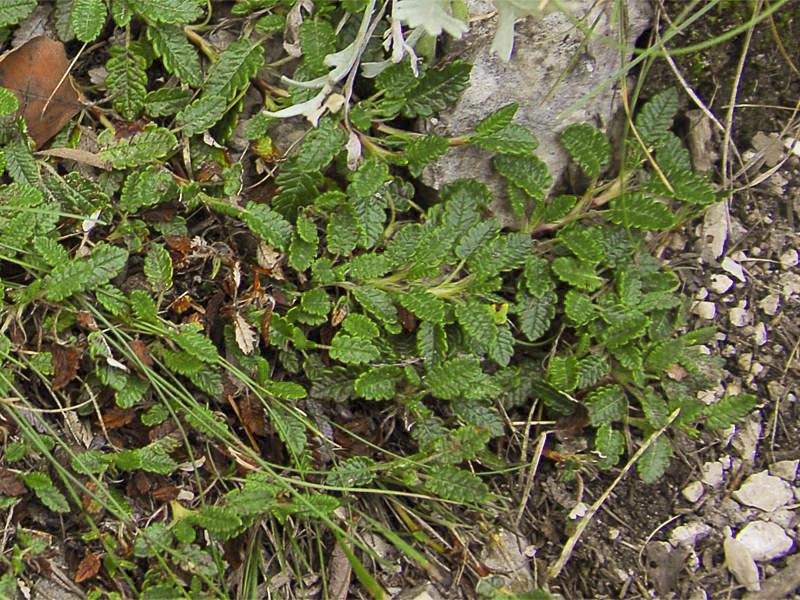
(37, 72)
(245, 334)
(88, 567)
(65, 364)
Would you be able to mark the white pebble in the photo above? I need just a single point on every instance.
(739, 315)
(765, 541)
(693, 492)
(785, 469)
(705, 310)
(721, 283)
(770, 304)
(713, 474)
(734, 268)
(760, 334)
(764, 491)
(789, 259)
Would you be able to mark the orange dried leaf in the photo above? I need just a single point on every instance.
(35, 72)
(88, 567)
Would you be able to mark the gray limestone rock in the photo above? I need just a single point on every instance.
(553, 67)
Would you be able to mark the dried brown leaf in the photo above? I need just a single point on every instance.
(35, 72)
(89, 567)
(65, 364)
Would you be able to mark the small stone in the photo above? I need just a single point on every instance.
(760, 334)
(701, 294)
(741, 564)
(713, 474)
(790, 284)
(578, 511)
(785, 469)
(764, 540)
(614, 533)
(789, 259)
(764, 491)
(734, 268)
(745, 361)
(738, 315)
(693, 492)
(784, 517)
(721, 283)
(425, 591)
(705, 310)
(689, 534)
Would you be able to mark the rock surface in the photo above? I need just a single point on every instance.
(764, 491)
(764, 540)
(552, 68)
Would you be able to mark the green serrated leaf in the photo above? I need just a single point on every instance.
(291, 430)
(460, 377)
(437, 89)
(609, 444)
(9, 104)
(46, 491)
(147, 187)
(423, 150)
(368, 266)
(360, 325)
(377, 383)
(380, 304)
(579, 308)
(511, 140)
(267, 224)
(158, 267)
(196, 344)
(316, 302)
(150, 145)
(606, 404)
(342, 232)
(14, 11)
(582, 244)
(534, 315)
(423, 304)
(353, 350)
(355, 471)
(630, 326)
(127, 80)
(320, 146)
(527, 172)
(729, 410)
(653, 463)
(166, 101)
(655, 119)
(85, 273)
(169, 11)
(88, 18)
(477, 320)
(591, 369)
(176, 53)
(562, 373)
(457, 485)
(20, 164)
(317, 40)
(579, 274)
(655, 409)
(588, 147)
(497, 120)
(236, 66)
(202, 114)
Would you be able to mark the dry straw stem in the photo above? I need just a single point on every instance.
(569, 547)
